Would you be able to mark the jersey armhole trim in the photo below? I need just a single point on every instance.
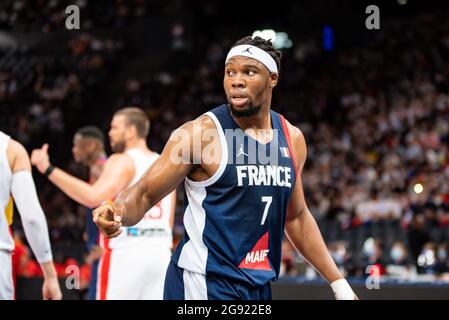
(224, 157)
(289, 143)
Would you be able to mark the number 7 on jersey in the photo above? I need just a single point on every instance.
(267, 200)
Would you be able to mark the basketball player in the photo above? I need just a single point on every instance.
(16, 181)
(88, 149)
(237, 207)
(133, 265)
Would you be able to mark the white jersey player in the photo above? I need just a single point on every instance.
(133, 267)
(16, 181)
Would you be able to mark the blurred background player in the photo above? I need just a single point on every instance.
(88, 149)
(142, 253)
(16, 181)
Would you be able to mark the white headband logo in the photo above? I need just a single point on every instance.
(254, 53)
(247, 50)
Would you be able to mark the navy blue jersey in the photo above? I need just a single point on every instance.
(234, 221)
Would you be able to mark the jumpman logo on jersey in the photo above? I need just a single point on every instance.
(247, 49)
(241, 152)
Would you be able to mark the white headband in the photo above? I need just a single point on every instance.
(254, 52)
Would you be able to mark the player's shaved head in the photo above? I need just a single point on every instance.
(91, 132)
(87, 143)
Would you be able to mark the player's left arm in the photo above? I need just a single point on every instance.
(302, 229)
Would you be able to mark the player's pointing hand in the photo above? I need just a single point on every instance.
(108, 218)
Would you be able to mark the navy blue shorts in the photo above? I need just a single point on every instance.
(92, 291)
(181, 284)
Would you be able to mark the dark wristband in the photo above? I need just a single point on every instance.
(49, 170)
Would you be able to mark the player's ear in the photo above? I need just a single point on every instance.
(92, 146)
(273, 79)
(131, 131)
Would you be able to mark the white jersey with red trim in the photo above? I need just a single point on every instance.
(155, 228)
(6, 242)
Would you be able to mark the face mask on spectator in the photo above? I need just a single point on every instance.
(442, 254)
(338, 256)
(397, 254)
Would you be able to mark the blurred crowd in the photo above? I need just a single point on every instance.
(375, 118)
(42, 94)
(377, 177)
(50, 15)
(44, 97)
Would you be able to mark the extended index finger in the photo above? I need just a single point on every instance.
(104, 215)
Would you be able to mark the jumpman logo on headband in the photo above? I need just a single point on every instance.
(247, 49)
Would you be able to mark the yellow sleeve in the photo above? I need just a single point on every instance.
(9, 211)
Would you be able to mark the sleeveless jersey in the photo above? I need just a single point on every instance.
(234, 221)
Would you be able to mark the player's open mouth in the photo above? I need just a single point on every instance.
(239, 101)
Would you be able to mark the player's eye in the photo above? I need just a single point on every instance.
(230, 73)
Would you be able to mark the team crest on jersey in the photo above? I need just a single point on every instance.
(257, 258)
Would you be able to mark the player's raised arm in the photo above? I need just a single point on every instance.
(117, 173)
(164, 175)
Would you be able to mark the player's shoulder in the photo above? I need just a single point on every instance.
(194, 129)
(17, 156)
(298, 143)
(202, 122)
(295, 133)
(207, 122)
(15, 149)
(122, 160)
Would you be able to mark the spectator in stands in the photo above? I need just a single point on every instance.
(372, 256)
(427, 260)
(442, 263)
(399, 265)
(417, 237)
